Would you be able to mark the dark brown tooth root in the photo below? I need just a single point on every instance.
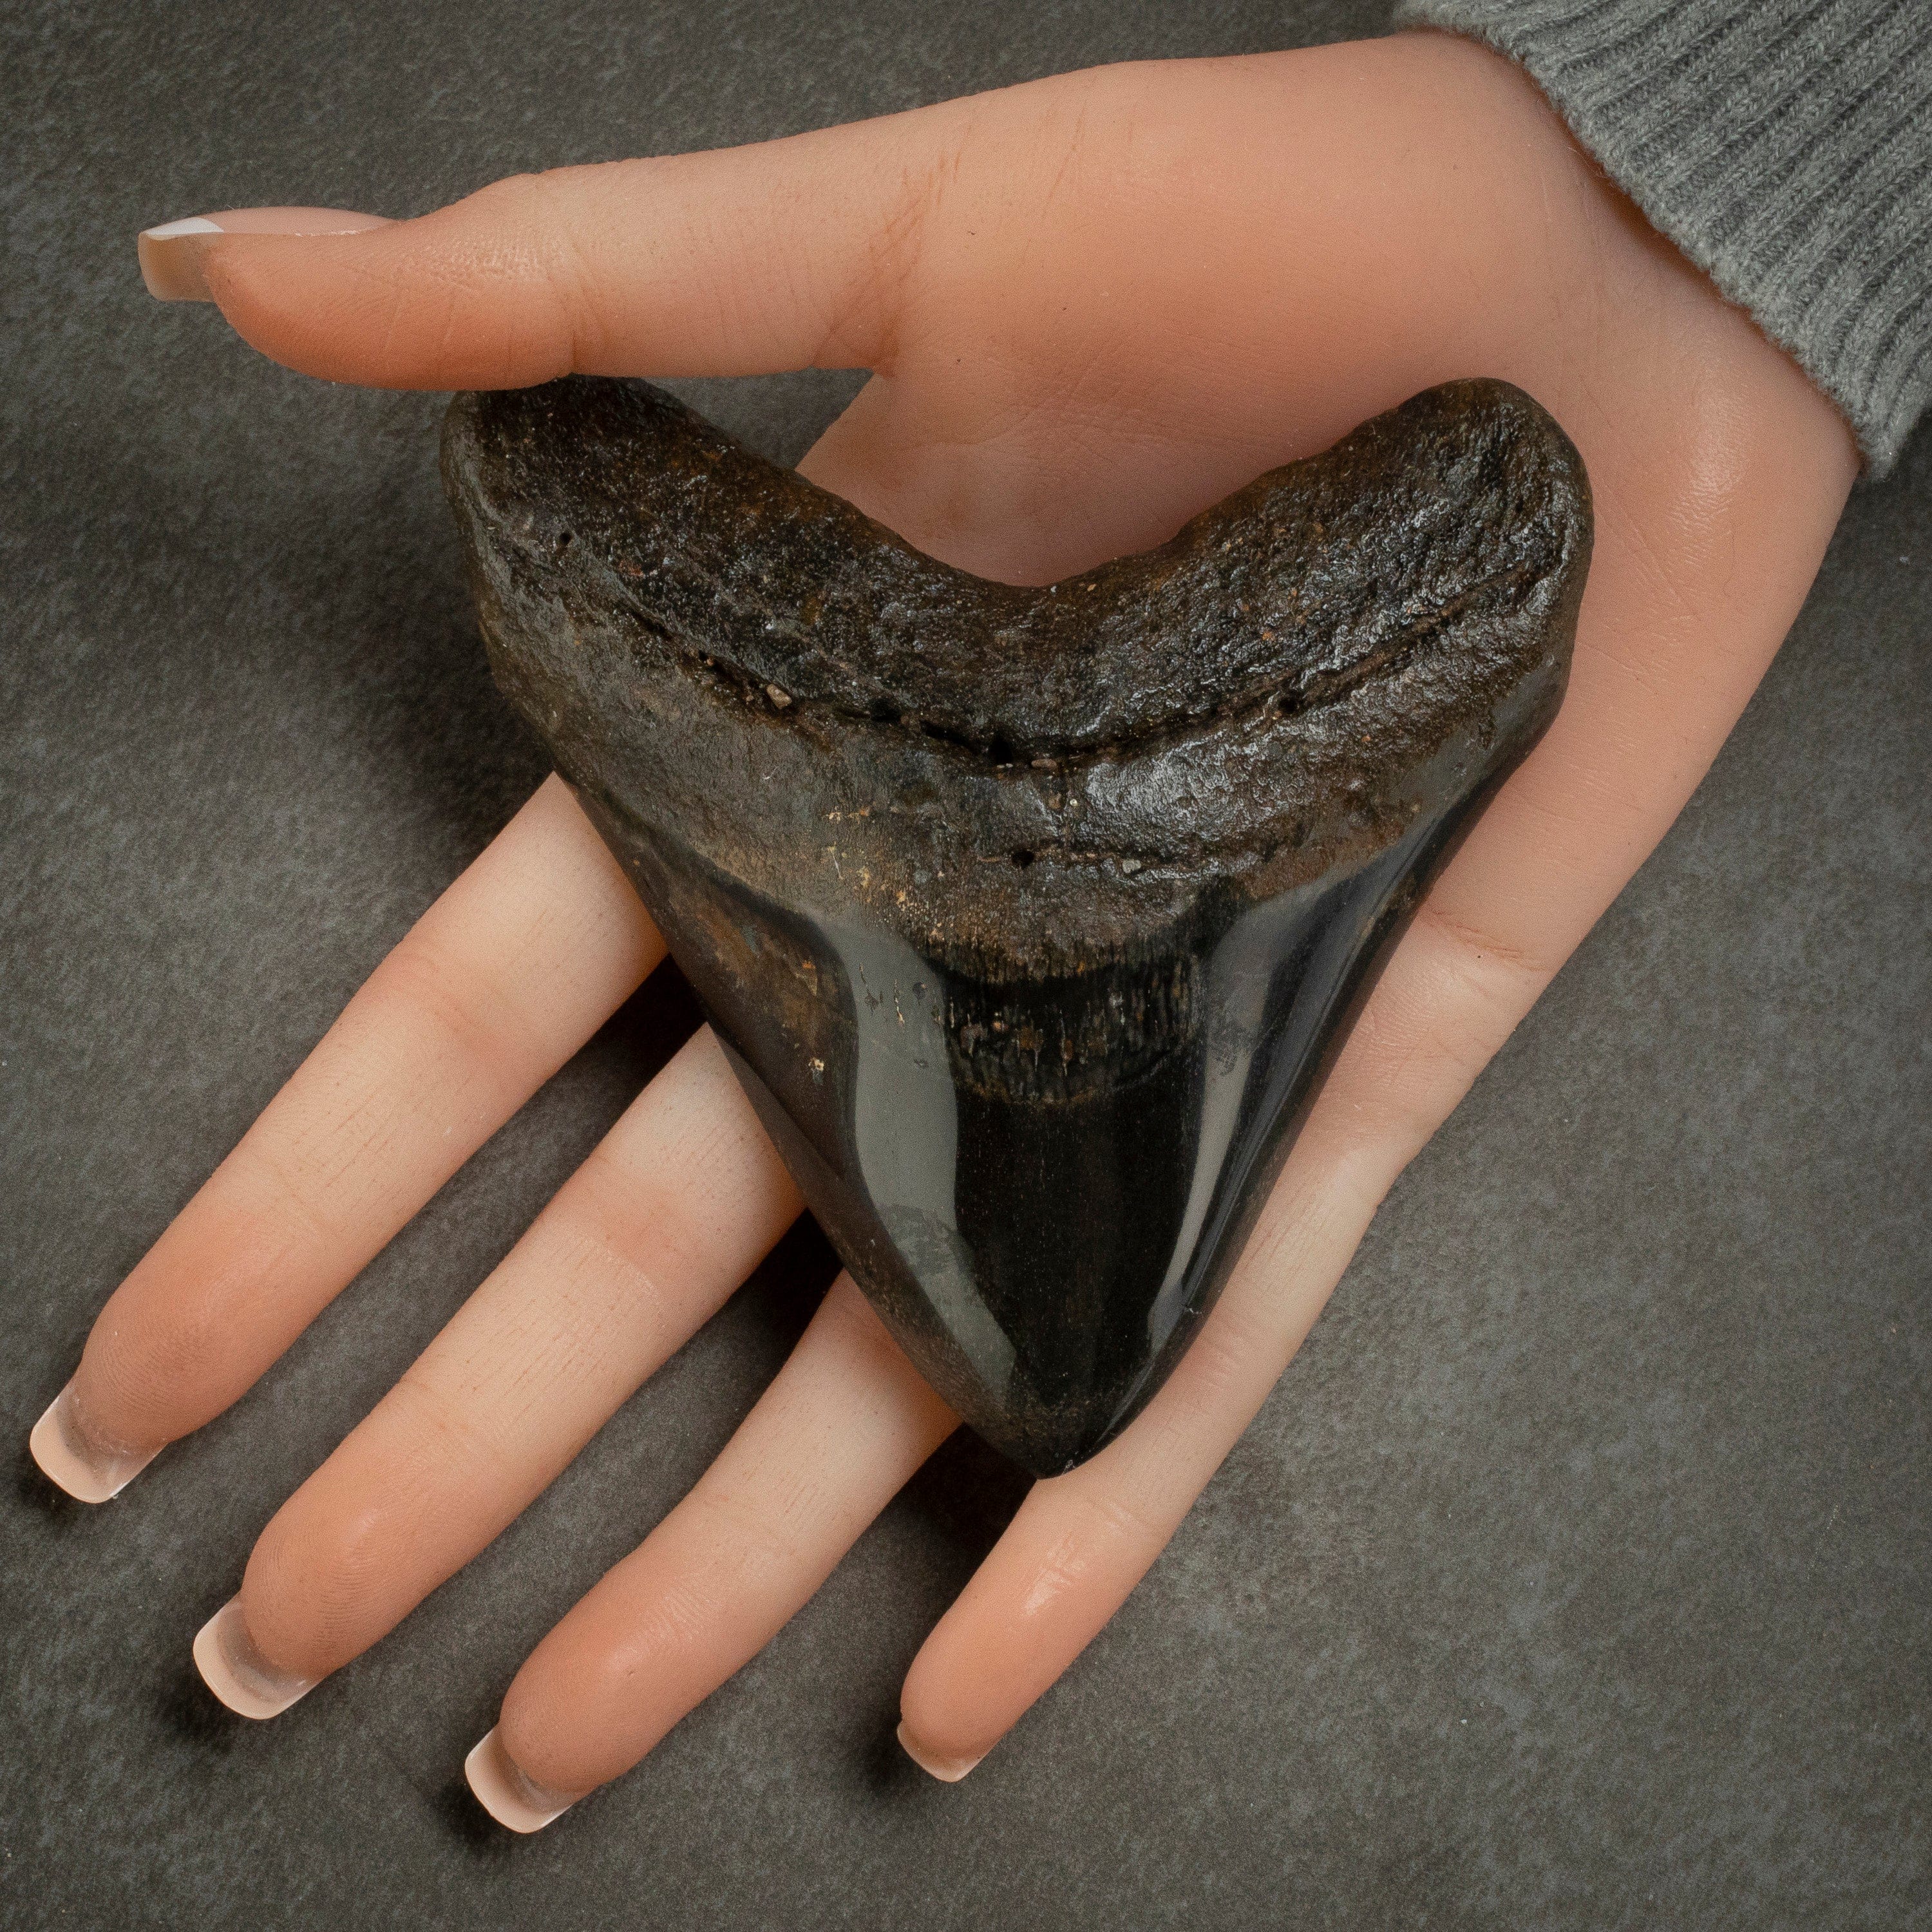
(1032, 917)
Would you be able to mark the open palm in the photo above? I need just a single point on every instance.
(1092, 306)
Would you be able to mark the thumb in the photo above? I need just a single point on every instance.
(779, 255)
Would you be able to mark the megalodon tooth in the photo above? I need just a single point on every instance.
(1031, 918)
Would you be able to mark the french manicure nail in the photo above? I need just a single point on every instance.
(74, 1459)
(947, 1770)
(171, 260)
(508, 1793)
(238, 1673)
(171, 254)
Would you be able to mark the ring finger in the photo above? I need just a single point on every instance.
(845, 1424)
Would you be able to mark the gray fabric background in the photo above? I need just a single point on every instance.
(1577, 1573)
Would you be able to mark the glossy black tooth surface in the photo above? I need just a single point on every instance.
(1032, 918)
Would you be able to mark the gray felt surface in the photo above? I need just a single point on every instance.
(1577, 1573)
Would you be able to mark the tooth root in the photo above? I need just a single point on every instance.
(1034, 1082)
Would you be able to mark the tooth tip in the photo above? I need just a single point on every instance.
(511, 1796)
(70, 1461)
(237, 1672)
(947, 1770)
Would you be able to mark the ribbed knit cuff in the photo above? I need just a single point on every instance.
(1785, 146)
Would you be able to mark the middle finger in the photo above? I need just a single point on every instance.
(675, 1206)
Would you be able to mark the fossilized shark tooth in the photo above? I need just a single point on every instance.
(1030, 919)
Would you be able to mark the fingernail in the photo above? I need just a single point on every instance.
(238, 1673)
(947, 1770)
(74, 1459)
(508, 1793)
(171, 255)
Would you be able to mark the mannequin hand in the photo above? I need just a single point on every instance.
(1093, 306)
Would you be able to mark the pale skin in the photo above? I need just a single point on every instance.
(1092, 306)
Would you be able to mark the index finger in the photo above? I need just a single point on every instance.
(493, 988)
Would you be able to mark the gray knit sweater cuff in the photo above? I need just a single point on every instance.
(1785, 146)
